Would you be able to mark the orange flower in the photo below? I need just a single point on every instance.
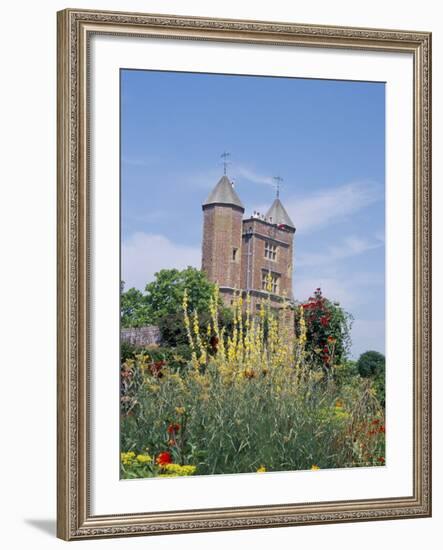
(249, 373)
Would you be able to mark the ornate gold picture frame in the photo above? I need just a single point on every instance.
(75, 519)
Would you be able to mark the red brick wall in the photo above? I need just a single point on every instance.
(262, 232)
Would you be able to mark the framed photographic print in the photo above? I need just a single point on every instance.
(243, 274)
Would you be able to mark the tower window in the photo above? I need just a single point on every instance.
(270, 251)
(234, 254)
(270, 282)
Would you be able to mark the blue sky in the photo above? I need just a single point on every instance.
(326, 139)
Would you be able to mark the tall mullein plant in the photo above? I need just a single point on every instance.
(259, 345)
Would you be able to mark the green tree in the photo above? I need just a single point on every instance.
(371, 364)
(164, 295)
(161, 303)
(134, 309)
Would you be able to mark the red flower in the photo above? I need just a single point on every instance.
(376, 421)
(213, 342)
(173, 428)
(324, 321)
(381, 459)
(164, 458)
(382, 429)
(156, 368)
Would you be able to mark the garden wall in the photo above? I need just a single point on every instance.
(141, 336)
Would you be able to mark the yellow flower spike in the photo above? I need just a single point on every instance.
(261, 469)
(314, 467)
(262, 310)
(195, 323)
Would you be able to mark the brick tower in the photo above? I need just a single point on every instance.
(268, 250)
(222, 238)
(251, 254)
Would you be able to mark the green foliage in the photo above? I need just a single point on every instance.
(128, 350)
(135, 465)
(371, 364)
(163, 298)
(239, 428)
(177, 357)
(164, 295)
(134, 309)
(173, 330)
(346, 373)
(328, 329)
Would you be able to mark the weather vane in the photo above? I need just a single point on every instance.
(225, 157)
(278, 181)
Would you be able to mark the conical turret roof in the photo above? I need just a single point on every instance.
(278, 214)
(224, 193)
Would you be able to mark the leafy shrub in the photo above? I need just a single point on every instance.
(327, 330)
(371, 364)
(128, 350)
(173, 330)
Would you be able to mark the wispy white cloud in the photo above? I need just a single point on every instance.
(327, 206)
(251, 175)
(351, 246)
(238, 173)
(331, 205)
(143, 254)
